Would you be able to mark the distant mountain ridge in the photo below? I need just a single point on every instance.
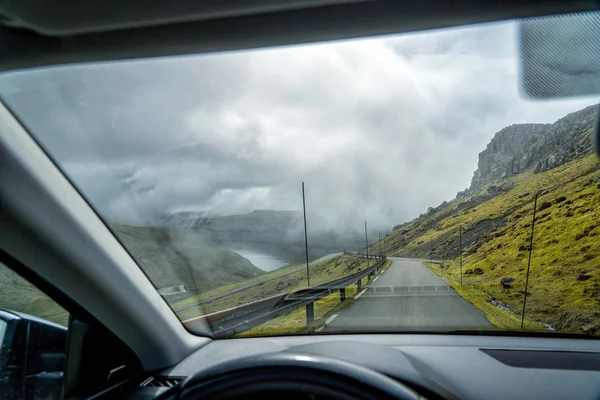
(278, 233)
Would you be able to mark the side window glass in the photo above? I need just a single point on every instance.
(33, 339)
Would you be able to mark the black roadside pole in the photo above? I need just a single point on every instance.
(310, 309)
(460, 252)
(305, 235)
(367, 244)
(529, 260)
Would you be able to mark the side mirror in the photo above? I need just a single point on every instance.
(32, 356)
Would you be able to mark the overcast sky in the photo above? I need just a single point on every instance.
(379, 129)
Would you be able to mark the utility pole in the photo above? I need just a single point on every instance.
(367, 244)
(305, 235)
(460, 252)
(380, 253)
(529, 260)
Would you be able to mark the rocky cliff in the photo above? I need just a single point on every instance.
(540, 147)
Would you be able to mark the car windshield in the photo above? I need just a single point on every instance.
(399, 183)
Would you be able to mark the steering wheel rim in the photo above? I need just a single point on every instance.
(296, 372)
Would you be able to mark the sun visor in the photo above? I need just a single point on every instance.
(560, 57)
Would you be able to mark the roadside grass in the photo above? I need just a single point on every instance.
(564, 282)
(499, 318)
(221, 289)
(319, 273)
(295, 322)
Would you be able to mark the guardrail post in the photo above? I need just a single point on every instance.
(310, 313)
(342, 294)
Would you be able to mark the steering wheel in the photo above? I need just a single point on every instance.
(291, 376)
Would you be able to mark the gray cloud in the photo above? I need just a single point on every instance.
(379, 129)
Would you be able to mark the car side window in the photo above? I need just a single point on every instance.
(33, 339)
(17, 294)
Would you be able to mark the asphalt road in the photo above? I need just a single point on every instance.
(408, 296)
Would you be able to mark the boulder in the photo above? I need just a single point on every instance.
(590, 329)
(583, 277)
(544, 205)
(506, 282)
(478, 271)
(493, 189)
(543, 192)
(524, 195)
(468, 272)
(560, 199)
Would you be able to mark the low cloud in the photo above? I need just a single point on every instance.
(379, 129)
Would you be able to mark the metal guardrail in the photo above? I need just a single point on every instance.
(371, 256)
(233, 321)
(439, 262)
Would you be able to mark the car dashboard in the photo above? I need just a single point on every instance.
(428, 366)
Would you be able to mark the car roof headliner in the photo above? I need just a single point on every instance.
(37, 33)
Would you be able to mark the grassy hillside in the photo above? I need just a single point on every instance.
(19, 295)
(564, 285)
(171, 257)
(319, 273)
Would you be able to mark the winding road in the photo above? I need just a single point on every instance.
(408, 296)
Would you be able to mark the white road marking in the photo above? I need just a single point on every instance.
(375, 279)
(360, 294)
(328, 320)
(320, 329)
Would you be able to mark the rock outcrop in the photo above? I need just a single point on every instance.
(540, 147)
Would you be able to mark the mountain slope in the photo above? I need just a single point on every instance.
(495, 216)
(172, 258)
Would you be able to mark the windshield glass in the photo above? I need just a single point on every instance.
(435, 196)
